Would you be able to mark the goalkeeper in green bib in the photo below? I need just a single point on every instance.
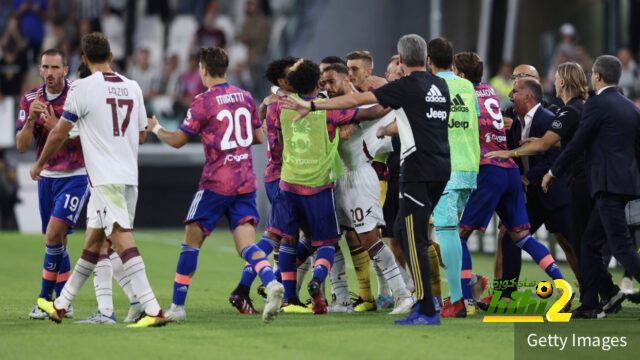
(465, 162)
(310, 166)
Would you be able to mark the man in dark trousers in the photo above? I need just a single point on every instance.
(532, 120)
(610, 133)
(422, 105)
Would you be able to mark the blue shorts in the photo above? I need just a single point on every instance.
(273, 189)
(208, 207)
(62, 199)
(499, 190)
(317, 211)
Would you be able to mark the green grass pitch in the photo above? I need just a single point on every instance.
(214, 329)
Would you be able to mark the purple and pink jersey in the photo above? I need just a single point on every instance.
(69, 157)
(335, 118)
(225, 116)
(274, 147)
(491, 126)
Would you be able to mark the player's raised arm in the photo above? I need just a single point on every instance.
(176, 139)
(338, 103)
(25, 133)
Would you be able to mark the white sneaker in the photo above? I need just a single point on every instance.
(403, 305)
(99, 318)
(135, 311)
(175, 313)
(340, 306)
(69, 313)
(38, 314)
(626, 285)
(275, 290)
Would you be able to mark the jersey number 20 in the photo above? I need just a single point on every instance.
(115, 103)
(235, 121)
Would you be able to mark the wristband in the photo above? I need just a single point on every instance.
(156, 129)
(515, 153)
(313, 106)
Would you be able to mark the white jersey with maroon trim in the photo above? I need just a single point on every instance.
(109, 111)
(363, 145)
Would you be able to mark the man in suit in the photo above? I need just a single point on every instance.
(551, 209)
(610, 133)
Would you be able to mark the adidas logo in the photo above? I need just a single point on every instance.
(458, 105)
(70, 217)
(434, 95)
(183, 288)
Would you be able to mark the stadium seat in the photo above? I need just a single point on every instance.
(150, 34)
(180, 37)
(114, 27)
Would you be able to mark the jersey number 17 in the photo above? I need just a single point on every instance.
(115, 103)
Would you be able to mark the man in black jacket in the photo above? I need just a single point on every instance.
(610, 133)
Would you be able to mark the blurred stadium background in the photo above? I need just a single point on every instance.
(153, 42)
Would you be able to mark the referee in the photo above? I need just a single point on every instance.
(422, 104)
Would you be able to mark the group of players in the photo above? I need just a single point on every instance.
(327, 174)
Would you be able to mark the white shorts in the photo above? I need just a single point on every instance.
(358, 200)
(110, 204)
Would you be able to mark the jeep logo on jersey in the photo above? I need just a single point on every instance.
(434, 95)
(458, 105)
(437, 114)
(458, 124)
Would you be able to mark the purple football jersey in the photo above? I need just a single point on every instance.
(491, 126)
(69, 157)
(274, 147)
(225, 116)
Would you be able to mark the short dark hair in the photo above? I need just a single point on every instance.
(470, 64)
(333, 60)
(609, 68)
(303, 76)
(83, 71)
(361, 55)
(54, 52)
(95, 46)
(338, 67)
(440, 50)
(215, 60)
(276, 69)
(534, 86)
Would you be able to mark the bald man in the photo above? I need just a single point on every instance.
(542, 208)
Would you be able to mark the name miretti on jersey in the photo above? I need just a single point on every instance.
(230, 98)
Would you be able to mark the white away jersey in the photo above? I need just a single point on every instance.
(363, 145)
(109, 111)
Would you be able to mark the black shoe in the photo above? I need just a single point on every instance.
(614, 301)
(634, 298)
(262, 292)
(584, 313)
